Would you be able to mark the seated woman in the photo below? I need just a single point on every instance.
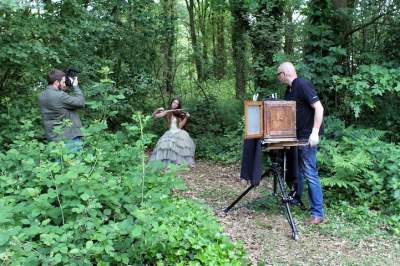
(175, 146)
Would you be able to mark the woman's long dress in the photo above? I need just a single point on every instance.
(175, 146)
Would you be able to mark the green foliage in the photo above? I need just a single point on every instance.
(361, 90)
(216, 129)
(226, 148)
(105, 99)
(101, 206)
(120, 35)
(19, 113)
(265, 32)
(323, 53)
(359, 167)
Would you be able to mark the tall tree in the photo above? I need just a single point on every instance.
(194, 40)
(266, 38)
(320, 40)
(327, 43)
(288, 47)
(375, 32)
(203, 14)
(240, 28)
(168, 41)
(341, 23)
(218, 26)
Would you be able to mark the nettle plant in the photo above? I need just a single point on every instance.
(101, 206)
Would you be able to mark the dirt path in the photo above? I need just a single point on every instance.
(258, 223)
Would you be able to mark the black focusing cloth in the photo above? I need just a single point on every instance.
(251, 169)
(251, 161)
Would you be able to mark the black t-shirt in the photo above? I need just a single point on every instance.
(303, 92)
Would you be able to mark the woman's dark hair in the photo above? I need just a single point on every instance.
(179, 105)
(178, 114)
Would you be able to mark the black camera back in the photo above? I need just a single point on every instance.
(70, 74)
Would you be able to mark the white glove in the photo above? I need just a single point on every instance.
(74, 81)
(255, 97)
(314, 138)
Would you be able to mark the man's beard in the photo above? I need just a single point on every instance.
(61, 88)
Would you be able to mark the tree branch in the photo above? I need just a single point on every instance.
(372, 21)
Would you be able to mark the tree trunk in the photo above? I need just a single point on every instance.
(239, 37)
(202, 13)
(266, 39)
(193, 37)
(289, 32)
(219, 54)
(341, 23)
(168, 43)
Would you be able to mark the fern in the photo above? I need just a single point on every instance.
(361, 167)
(338, 182)
(363, 134)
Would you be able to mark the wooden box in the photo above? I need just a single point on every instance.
(270, 120)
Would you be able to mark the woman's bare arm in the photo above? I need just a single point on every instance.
(184, 121)
(159, 112)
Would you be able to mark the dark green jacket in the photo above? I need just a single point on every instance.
(56, 106)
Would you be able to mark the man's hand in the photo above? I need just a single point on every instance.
(75, 82)
(314, 138)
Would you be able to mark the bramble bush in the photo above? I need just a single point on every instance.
(101, 206)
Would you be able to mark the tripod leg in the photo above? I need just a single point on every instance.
(285, 202)
(275, 181)
(239, 198)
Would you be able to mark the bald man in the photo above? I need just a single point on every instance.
(309, 116)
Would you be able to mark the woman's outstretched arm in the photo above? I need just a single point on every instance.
(159, 112)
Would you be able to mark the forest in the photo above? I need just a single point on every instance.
(106, 206)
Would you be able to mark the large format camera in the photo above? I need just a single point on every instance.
(70, 74)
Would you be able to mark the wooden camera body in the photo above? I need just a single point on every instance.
(271, 120)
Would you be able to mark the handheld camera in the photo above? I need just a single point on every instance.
(70, 74)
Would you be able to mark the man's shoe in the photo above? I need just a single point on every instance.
(314, 220)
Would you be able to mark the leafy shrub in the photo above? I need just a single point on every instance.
(361, 90)
(225, 149)
(101, 206)
(213, 116)
(216, 127)
(358, 167)
(16, 114)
